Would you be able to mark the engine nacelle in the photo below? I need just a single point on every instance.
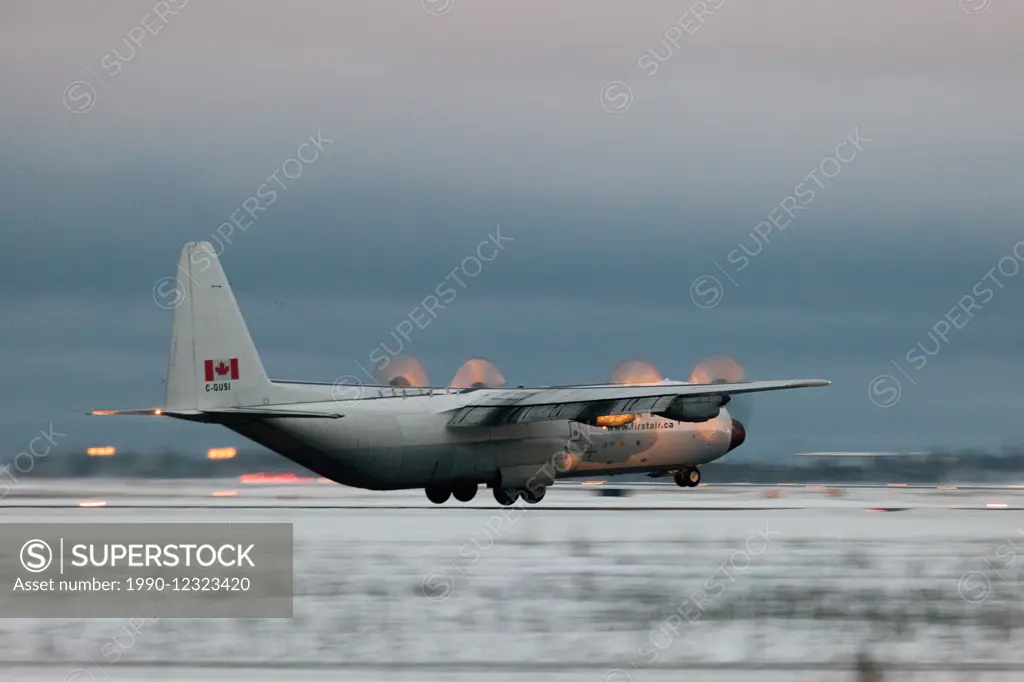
(695, 408)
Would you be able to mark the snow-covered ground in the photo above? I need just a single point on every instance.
(722, 583)
(147, 673)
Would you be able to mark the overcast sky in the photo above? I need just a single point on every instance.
(628, 150)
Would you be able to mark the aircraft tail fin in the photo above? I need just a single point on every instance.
(213, 362)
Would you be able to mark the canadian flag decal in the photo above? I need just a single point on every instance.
(222, 370)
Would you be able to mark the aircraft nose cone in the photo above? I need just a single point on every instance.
(739, 434)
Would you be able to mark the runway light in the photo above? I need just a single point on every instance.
(92, 503)
(896, 485)
(224, 493)
(593, 482)
(946, 487)
(996, 505)
(106, 451)
(274, 478)
(220, 453)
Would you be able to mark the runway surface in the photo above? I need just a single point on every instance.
(273, 492)
(836, 673)
(579, 587)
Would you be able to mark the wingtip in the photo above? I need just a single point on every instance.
(813, 383)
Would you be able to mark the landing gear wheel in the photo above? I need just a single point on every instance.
(688, 478)
(534, 496)
(464, 492)
(506, 497)
(438, 495)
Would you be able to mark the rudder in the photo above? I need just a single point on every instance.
(213, 361)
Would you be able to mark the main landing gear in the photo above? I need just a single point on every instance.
(463, 492)
(438, 495)
(506, 497)
(687, 478)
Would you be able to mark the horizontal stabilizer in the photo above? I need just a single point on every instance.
(153, 412)
(227, 411)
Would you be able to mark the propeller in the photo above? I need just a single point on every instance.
(478, 373)
(724, 369)
(635, 372)
(403, 370)
(718, 369)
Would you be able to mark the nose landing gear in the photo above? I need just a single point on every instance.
(687, 478)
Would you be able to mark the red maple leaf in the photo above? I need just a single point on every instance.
(222, 369)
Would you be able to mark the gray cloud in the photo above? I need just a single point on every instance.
(448, 126)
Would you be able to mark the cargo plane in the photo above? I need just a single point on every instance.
(401, 433)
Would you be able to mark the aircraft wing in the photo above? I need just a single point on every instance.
(577, 402)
